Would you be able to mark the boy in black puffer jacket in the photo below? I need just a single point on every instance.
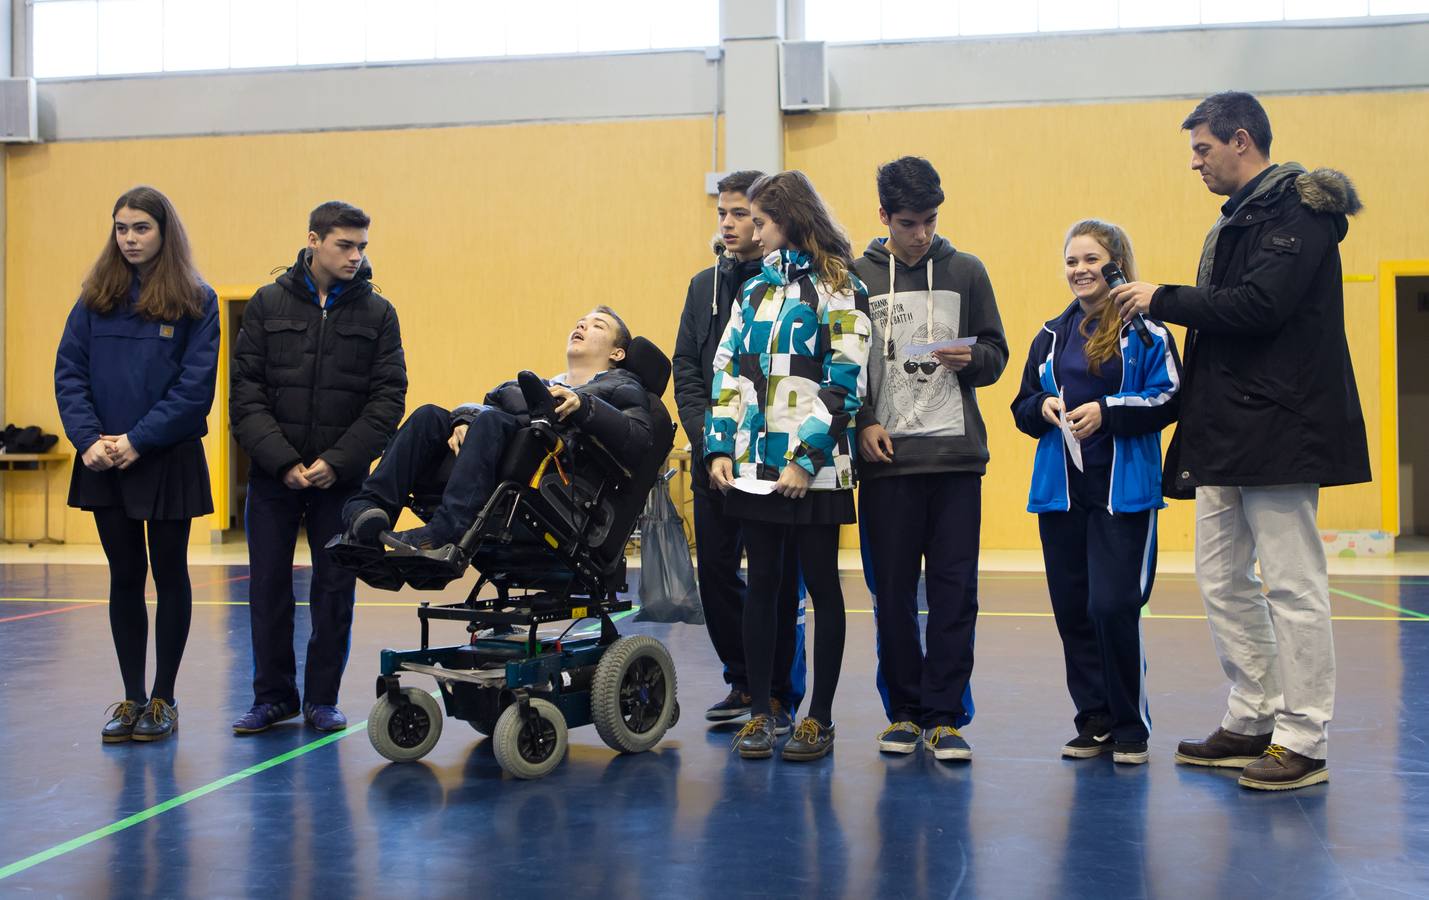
(319, 385)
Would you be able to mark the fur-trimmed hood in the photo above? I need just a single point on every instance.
(1328, 191)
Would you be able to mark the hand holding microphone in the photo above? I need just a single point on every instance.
(1132, 298)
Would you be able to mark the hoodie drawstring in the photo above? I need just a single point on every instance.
(714, 298)
(888, 313)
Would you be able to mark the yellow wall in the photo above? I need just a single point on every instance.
(1017, 177)
(491, 240)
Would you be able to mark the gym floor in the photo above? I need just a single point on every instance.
(293, 813)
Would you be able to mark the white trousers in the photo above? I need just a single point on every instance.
(1275, 646)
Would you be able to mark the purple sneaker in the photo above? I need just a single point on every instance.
(264, 716)
(324, 718)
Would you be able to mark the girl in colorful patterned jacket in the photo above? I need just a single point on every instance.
(789, 375)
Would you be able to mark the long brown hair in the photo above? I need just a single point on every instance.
(790, 200)
(171, 289)
(1106, 341)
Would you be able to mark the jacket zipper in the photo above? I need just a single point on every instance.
(317, 370)
(1052, 371)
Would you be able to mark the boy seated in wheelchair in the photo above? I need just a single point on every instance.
(593, 395)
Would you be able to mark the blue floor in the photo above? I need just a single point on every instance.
(690, 818)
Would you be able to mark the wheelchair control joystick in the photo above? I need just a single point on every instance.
(539, 402)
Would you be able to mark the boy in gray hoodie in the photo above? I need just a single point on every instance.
(922, 454)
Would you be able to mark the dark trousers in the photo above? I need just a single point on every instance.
(911, 522)
(1100, 568)
(817, 549)
(129, 564)
(272, 517)
(416, 453)
(719, 544)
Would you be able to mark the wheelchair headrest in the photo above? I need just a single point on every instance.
(648, 363)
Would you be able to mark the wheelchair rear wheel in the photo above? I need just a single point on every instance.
(632, 697)
(408, 731)
(526, 748)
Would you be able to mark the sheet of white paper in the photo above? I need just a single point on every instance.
(753, 485)
(1074, 446)
(920, 349)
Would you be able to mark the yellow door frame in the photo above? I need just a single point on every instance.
(222, 495)
(1389, 271)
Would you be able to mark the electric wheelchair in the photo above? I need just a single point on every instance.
(551, 542)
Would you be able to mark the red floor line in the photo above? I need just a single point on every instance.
(47, 612)
(152, 595)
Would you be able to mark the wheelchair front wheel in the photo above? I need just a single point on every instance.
(404, 732)
(530, 748)
(632, 697)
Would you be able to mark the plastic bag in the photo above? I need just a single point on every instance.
(668, 590)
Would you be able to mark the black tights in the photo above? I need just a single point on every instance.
(818, 547)
(168, 548)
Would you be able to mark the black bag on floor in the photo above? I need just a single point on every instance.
(668, 591)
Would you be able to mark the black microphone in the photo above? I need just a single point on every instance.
(1114, 278)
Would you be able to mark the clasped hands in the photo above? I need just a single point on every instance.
(111, 451)
(319, 475)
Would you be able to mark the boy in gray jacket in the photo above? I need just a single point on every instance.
(922, 454)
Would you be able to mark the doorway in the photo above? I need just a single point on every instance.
(1412, 331)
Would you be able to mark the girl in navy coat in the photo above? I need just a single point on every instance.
(1097, 486)
(134, 380)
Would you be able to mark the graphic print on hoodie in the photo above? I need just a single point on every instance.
(914, 394)
(931, 411)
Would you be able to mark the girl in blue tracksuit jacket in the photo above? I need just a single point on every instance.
(1098, 522)
(134, 381)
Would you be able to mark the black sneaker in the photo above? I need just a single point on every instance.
(160, 719)
(413, 540)
(783, 722)
(1088, 744)
(731, 707)
(1223, 749)
(1281, 769)
(812, 740)
(756, 739)
(1131, 753)
(122, 716)
(900, 737)
(945, 742)
(366, 527)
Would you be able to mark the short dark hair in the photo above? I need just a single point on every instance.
(622, 331)
(911, 183)
(738, 182)
(1227, 112)
(336, 214)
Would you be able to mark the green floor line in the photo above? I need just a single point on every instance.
(139, 817)
(85, 840)
(1381, 604)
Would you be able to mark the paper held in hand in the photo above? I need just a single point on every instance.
(920, 349)
(753, 485)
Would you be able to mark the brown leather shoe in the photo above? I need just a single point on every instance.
(1223, 749)
(1283, 770)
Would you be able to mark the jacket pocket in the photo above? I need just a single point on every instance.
(287, 342)
(356, 347)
